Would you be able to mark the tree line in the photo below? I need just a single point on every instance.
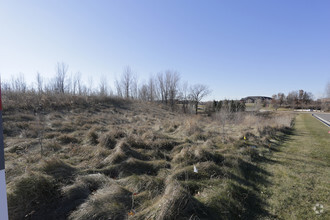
(228, 105)
(165, 87)
(300, 99)
(294, 99)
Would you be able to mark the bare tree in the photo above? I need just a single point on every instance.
(304, 97)
(39, 83)
(69, 84)
(167, 83)
(126, 82)
(143, 92)
(293, 99)
(134, 87)
(173, 82)
(5, 87)
(84, 90)
(103, 87)
(147, 91)
(275, 101)
(76, 84)
(184, 97)
(281, 98)
(162, 87)
(152, 89)
(127, 86)
(18, 83)
(90, 86)
(168, 86)
(118, 88)
(61, 71)
(197, 93)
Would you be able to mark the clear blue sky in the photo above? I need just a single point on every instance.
(238, 48)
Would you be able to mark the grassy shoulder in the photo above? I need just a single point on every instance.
(300, 174)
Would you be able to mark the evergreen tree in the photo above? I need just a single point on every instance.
(219, 106)
(232, 106)
(215, 104)
(243, 107)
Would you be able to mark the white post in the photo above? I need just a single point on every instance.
(3, 193)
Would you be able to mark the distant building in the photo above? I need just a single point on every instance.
(255, 99)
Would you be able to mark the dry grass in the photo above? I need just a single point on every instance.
(107, 158)
(58, 169)
(190, 155)
(84, 185)
(92, 137)
(67, 139)
(30, 193)
(175, 202)
(110, 139)
(111, 202)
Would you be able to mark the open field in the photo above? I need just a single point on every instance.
(300, 173)
(164, 110)
(101, 158)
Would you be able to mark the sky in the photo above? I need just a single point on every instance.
(238, 48)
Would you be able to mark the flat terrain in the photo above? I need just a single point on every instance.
(300, 173)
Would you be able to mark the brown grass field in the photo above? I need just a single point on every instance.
(107, 158)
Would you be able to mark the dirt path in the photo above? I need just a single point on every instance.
(300, 173)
